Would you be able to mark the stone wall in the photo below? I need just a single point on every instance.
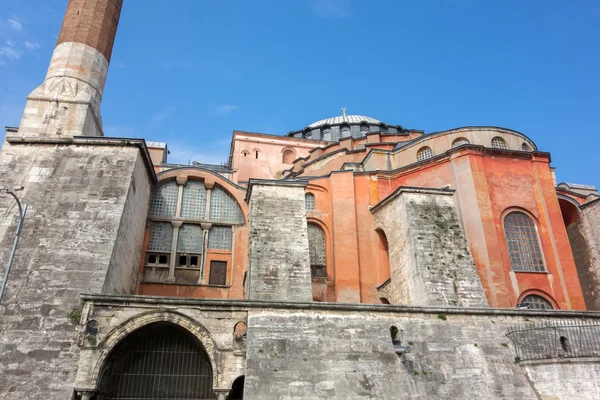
(341, 351)
(584, 236)
(76, 195)
(430, 262)
(278, 251)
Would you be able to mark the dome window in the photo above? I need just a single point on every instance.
(424, 153)
(327, 134)
(499, 143)
(525, 147)
(364, 130)
(345, 131)
(459, 142)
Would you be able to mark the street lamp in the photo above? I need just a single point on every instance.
(22, 210)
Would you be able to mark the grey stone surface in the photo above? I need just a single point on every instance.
(81, 202)
(430, 262)
(279, 259)
(584, 236)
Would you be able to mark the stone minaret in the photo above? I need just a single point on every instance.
(68, 102)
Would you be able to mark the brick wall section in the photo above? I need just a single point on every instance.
(76, 195)
(91, 22)
(584, 236)
(279, 259)
(430, 262)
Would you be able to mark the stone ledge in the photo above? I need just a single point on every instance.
(272, 182)
(411, 189)
(316, 306)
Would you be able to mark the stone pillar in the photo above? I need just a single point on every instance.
(68, 102)
(430, 262)
(279, 260)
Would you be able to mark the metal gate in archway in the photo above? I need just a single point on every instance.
(160, 361)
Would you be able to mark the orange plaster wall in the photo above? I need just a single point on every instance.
(269, 163)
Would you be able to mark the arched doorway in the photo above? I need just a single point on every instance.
(237, 389)
(159, 361)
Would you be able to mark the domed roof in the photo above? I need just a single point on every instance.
(348, 119)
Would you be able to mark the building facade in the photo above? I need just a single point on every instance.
(350, 259)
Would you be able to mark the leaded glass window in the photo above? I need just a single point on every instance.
(317, 251)
(220, 238)
(163, 202)
(309, 200)
(224, 208)
(499, 143)
(536, 302)
(459, 142)
(161, 237)
(190, 239)
(424, 153)
(193, 205)
(523, 243)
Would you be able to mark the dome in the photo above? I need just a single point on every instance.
(345, 119)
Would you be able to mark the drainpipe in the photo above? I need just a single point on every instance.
(22, 211)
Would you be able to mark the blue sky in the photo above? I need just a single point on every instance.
(188, 72)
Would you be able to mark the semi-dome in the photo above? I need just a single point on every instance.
(342, 126)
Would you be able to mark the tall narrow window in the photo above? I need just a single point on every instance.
(316, 248)
(536, 302)
(499, 143)
(523, 243)
(309, 200)
(424, 153)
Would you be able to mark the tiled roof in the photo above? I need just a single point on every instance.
(578, 186)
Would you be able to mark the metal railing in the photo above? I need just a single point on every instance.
(556, 339)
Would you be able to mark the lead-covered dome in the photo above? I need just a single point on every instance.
(342, 126)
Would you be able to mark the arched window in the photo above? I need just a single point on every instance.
(245, 153)
(364, 129)
(162, 361)
(316, 248)
(523, 243)
(535, 302)
(499, 143)
(345, 131)
(424, 153)
(459, 142)
(256, 154)
(327, 134)
(309, 200)
(525, 147)
(288, 156)
(307, 135)
(184, 226)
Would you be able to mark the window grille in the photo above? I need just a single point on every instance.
(309, 200)
(345, 131)
(327, 134)
(161, 361)
(161, 237)
(499, 143)
(220, 238)
(459, 142)
(536, 302)
(316, 246)
(193, 205)
(523, 243)
(190, 239)
(424, 153)
(224, 208)
(163, 202)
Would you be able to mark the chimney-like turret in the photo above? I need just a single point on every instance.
(68, 102)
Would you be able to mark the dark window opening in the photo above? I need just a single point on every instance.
(256, 153)
(318, 271)
(157, 259)
(183, 260)
(193, 261)
(160, 361)
(188, 260)
(218, 273)
(564, 343)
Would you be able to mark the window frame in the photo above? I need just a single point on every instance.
(537, 241)
(539, 299)
(502, 140)
(307, 196)
(422, 150)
